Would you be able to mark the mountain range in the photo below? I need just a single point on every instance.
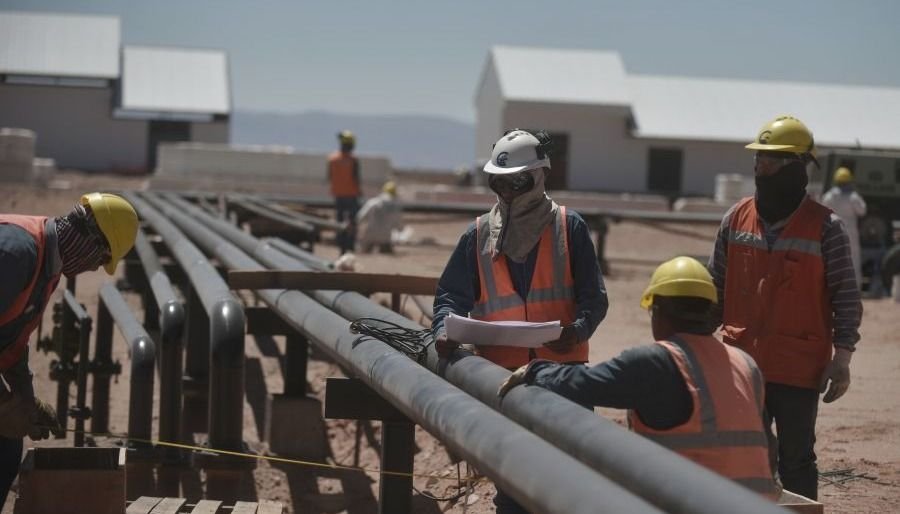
(410, 141)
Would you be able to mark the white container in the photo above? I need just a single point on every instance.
(729, 188)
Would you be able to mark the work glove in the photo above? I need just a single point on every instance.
(517, 378)
(43, 421)
(444, 346)
(567, 339)
(22, 415)
(838, 373)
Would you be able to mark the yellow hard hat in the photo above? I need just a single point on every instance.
(842, 175)
(784, 134)
(117, 220)
(390, 187)
(346, 137)
(681, 276)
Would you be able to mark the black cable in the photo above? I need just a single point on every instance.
(412, 342)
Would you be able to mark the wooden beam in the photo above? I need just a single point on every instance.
(244, 508)
(168, 506)
(269, 507)
(142, 505)
(350, 398)
(206, 507)
(333, 280)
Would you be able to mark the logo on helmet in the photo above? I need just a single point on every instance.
(501, 158)
(764, 136)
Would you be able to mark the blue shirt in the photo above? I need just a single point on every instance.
(18, 260)
(644, 379)
(459, 286)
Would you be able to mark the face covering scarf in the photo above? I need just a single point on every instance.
(516, 227)
(79, 249)
(778, 195)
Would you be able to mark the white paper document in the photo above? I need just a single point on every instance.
(523, 334)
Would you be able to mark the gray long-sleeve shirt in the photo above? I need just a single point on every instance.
(840, 280)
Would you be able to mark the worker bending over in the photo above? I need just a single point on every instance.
(377, 220)
(34, 252)
(688, 391)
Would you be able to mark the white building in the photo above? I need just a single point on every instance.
(97, 106)
(615, 131)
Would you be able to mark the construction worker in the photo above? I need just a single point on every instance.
(688, 392)
(34, 252)
(843, 199)
(789, 298)
(343, 174)
(378, 218)
(528, 259)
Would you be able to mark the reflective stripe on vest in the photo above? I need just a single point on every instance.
(340, 173)
(551, 294)
(776, 305)
(725, 430)
(22, 317)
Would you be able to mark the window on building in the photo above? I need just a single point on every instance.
(664, 170)
(558, 179)
(164, 132)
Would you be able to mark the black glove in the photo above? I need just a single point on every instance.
(43, 421)
(444, 346)
(567, 339)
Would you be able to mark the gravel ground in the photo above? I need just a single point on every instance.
(859, 432)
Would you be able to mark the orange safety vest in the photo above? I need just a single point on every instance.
(22, 317)
(776, 301)
(725, 431)
(340, 172)
(551, 295)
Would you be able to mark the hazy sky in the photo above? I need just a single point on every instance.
(425, 57)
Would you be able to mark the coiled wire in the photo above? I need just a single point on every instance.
(412, 342)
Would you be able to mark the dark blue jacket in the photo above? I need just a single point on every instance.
(459, 287)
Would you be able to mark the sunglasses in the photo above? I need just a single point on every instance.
(515, 182)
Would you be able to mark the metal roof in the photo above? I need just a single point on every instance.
(59, 45)
(734, 110)
(562, 76)
(702, 109)
(175, 80)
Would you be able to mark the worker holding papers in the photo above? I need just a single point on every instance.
(523, 281)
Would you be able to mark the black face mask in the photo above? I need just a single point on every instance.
(512, 185)
(779, 194)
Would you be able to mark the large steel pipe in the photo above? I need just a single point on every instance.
(142, 352)
(226, 331)
(647, 469)
(537, 474)
(171, 331)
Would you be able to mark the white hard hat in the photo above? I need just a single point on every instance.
(517, 151)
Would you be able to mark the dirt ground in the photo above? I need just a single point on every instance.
(860, 432)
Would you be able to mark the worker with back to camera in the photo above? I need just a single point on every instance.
(378, 218)
(788, 295)
(343, 175)
(528, 259)
(34, 252)
(688, 391)
(843, 199)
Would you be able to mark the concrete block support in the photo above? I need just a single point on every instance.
(295, 428)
